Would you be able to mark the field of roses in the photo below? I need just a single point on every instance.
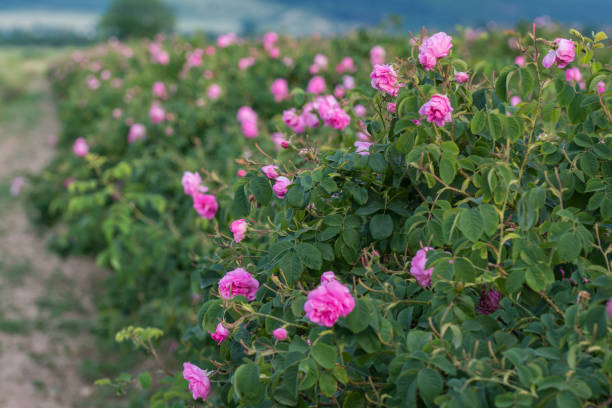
(367, 220)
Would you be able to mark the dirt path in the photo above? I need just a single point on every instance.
(46, 310)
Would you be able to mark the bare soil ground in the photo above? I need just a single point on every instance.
(46, 308)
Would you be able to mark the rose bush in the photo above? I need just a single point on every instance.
(452, 250)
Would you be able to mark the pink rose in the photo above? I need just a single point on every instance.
(206, 205)
(346, 65)
(249, 129)
(220, 334)
(162, 58)
(214, 91)
(563, 55)
(192, 183)
(195, 58)
(433, 48)
(363, 137)
(271, 171)
(226, 40)
(159, 90)
(280, 186)
(210, 50)
(246, 114)
(80, 147)
(16, 185)
(288, 61)
(241, 173)
(325, 105)
(438, 110)
(316, 85)
(348, 82)
(377, 55)
(274, 52)
(238, 282)
(278, 139)
(601, 87)
(489, 301)
(337, 119)
(280, 334)
(294, 121)
(92, 82)
(520, 61)
(244, 63)
(417, 269)
(156, 114)
(515, 100)
(392, 107)
(117, 113)
(360, 110)
(328, 277)
(105, 75)
(327, 302)
(320, 61)
(462, 77)
(239, 228)
(269, 39)
(384, 79)
(280, 89)
(199, 384)
(573, 74)
(339, 91)
(137, 132)
(310, 119)
(362, 148)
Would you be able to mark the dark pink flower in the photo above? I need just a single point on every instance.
(199, 384)
(438, 110)
(327, 302)
(384, 79)
(489, 301)
(417, 268)
(206, 205)
(238, 282)
(280, 334)
(220, 334)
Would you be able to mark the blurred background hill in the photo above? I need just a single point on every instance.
(75, 20)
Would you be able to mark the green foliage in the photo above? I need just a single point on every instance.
(136, 18)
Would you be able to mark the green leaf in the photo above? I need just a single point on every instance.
(353, 399)
(501, 87)
(429, 383)
(490, 218)
(329, 185)
(359, 319)
(515, 280)
(464, 270)
(246, 382)
(448, 169)
(328, 384)
(261, 190)
(538, 277)
(240, 205)
(496, 127)
(324, 354)
(145, 380)
(568, 247)
(566, 399)
(310, 256)
(478, 122)
(381, 226)
(296, 196)
(471, 223)
(351, 238)
(292, 267)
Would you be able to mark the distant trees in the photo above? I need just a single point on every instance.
(136, 18)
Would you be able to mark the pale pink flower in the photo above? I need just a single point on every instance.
(194, 59)
(316, 85)
(294, 121)
(515, 100)
(250, 129)
(320, 61)
(156, 114)
(220, 334)
(417, 269)
(199, 384)
(214, 91)
(274, 52)
(105, 75)
(137, 132)
(573, 74)
(241, 173)
(384, 79)
(327, 302)
(348, 82)
(346, 65)
(246, 114)
(210, 50)
(92, 82)
(309, 117)
(239, 228)
(362, 148)
(269, 39)
(245, 63)
(363, 137)
(206, 205)
(280, 186)
(377, 55)
(280, 334)
(280, 89)
(360, 110)
(117, 113)
(337, 119)
(16, 185)
(601, 87)
(339, 91)
(392, 107)
(80, 147)
(192, 183)
(462, 77)
(271, 171)
(520, 61)
(162, 58)
(226, 40)
(278, 139)
(438, 110)
(288, 61)
(238, 282)
(562, 55)
(433, 48)
(159, 90)
(325, 105)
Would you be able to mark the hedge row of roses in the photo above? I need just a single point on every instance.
(434, 235)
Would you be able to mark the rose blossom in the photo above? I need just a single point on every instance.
(362, 148)
(377, 55)
(348, 82)
(80, 147)
(280, 334)
(271, 171)
(417, 269)
(220, 334)
(239, 228)
(310, 118)
(435, 47)
(244, 63)
(489, 301)
(214, 91)
(156, 114)
(392, 107)
(192, 183)
(241, 173)
(226, 40)
(320, 61)
(337, 119)
(563, 55)
(195, 58)
(515, 100)
(249, 129)
(238, 282)
(328, 276)
(294, 121)
(117, 113)
(159, 90)
(280, 186)
(246, 114)
(360, 110)
(316, 85)
(137, 132)
(339, 91)
(346, 65)
(327, 302)
(462, 77)
(16, 185)
(206, 205)
(274, 52)
(601, 87)
(278, 139)
(573, 74)
(520, 61)
(438, 110)
(280, 89)
(269, 39)
(199, 384)
(384, 79)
